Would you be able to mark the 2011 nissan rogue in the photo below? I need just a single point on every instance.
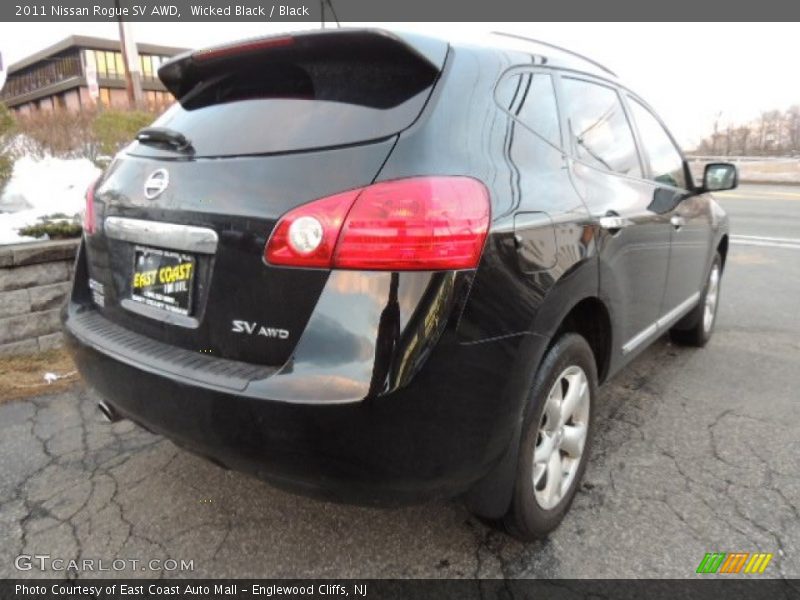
(380, 268)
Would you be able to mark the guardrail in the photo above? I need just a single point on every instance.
(754, 169)
(698, 158)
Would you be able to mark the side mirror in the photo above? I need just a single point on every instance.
(720, 176)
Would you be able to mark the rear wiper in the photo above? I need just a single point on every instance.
(165, 136)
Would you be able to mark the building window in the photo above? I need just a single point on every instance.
(111, 64)
(69, 64)
(46, 72)
(105, 97)
(157, 100)
(150, 66)
(100, 60)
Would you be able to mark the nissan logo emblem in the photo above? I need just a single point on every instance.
(156, 183)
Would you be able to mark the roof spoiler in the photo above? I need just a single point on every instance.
(183, 72)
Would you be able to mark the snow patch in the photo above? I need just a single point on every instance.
(40, 187)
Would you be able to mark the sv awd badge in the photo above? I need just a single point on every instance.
(252, 328)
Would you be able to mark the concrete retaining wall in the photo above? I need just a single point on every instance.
(34, 282)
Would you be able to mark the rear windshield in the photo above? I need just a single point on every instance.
(261, 126)
(260, 106)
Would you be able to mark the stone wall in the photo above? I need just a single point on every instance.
(34, 283)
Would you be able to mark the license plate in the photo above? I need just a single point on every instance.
(163, 279)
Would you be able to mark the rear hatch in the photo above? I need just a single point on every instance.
(266, 125)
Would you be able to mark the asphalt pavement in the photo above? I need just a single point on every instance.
(695, 451)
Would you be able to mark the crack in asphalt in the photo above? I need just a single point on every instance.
(669, 468)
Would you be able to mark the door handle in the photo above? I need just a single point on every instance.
(613, 223)
(677, 222)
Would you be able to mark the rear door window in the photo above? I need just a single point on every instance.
(666, 162)
(599, 132)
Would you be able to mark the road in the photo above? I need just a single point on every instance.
(696, 451)
(767, 211)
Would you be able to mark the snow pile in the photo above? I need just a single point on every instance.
(42, 187)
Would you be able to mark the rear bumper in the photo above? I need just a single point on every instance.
(433, 437)
(380, 406)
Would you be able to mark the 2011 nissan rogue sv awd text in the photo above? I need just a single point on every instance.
(380, 268)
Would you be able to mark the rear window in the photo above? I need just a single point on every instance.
(530, 98)
(269, 125)
(312, 94)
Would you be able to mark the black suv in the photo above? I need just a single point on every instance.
(380, 268)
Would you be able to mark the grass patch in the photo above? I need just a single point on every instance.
(54, 230)
(23, 376)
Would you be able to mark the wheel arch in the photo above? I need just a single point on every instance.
(590, 319)
(722, 248)
(575, 305)
(572, 305)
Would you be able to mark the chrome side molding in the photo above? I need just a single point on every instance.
(163, 235)
(641, 337)
(676, 313)
(663, 323)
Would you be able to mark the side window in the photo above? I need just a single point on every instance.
(531, 99)
(665, 160)
(599, 131)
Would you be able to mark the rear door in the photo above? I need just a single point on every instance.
(689, 215)
(633, 238)
(270, 125)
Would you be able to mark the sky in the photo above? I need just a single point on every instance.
(691, 73)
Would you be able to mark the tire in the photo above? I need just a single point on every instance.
(696, 328)
(539, 504)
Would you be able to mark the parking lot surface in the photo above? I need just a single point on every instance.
(695, 451)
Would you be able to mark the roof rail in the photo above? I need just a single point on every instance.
(560, 48)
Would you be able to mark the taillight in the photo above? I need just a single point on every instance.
(89, 224)
(419, 223)
(291, 241)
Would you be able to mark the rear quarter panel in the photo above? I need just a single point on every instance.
(465, 132)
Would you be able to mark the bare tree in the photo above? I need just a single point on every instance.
(773, 133)
(742, 135)
(792, 118)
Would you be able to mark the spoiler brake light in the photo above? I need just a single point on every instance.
(242, 48)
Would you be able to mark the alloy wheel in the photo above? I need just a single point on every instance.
(712, 296)
(561, 438)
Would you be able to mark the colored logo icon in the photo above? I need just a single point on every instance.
(734, 563)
